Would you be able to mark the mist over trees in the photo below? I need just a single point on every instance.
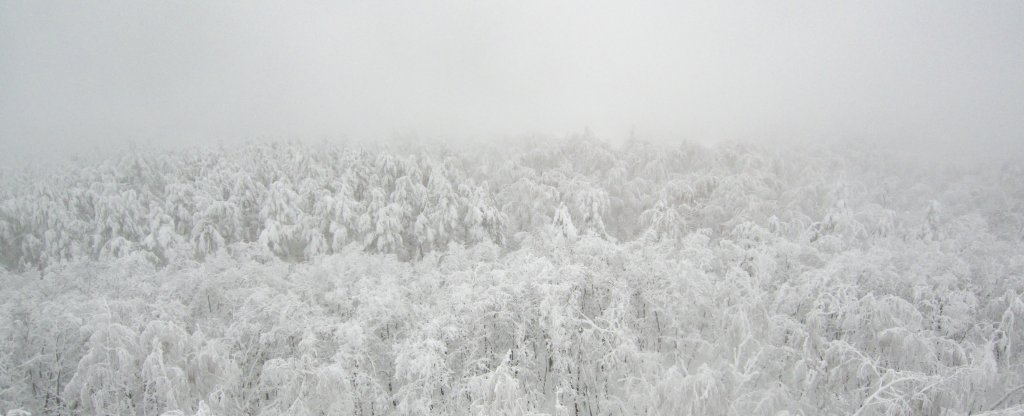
(541, 277)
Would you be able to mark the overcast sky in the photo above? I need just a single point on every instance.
(76, 75)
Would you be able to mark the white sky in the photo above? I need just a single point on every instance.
(78, 75)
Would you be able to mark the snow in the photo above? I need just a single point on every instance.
(571, 278)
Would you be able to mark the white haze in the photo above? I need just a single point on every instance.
(823, 212)
(936, 75)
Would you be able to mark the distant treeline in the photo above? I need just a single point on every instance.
(301, 201)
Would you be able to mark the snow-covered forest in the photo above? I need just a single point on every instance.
(547, 277)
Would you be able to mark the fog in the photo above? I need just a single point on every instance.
(862, 257)
(78, 76)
